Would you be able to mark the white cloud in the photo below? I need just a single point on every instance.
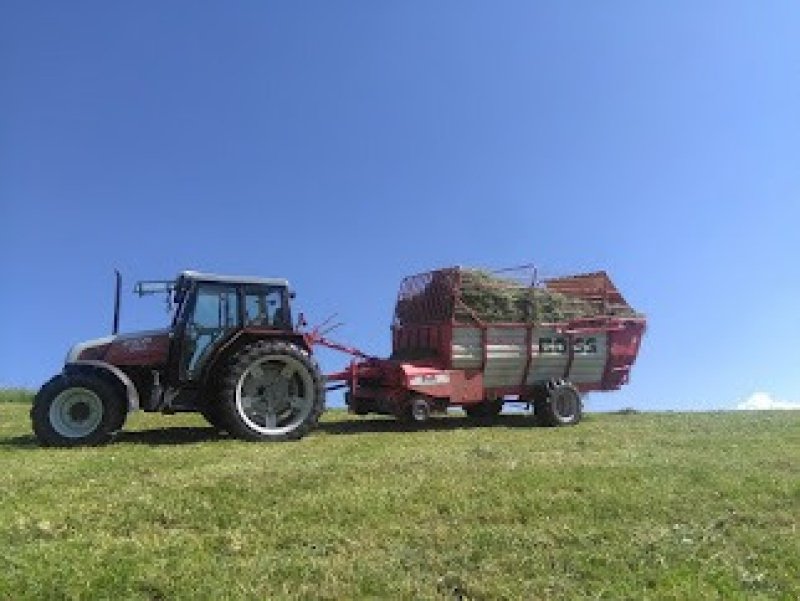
(763, 401)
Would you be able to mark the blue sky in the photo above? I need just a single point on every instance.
(343, 145)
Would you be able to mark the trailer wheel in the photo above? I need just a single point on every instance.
(272, 391)
(77, 409)
(559, 405)
(420, 410)
(484, 409)
(413, 411)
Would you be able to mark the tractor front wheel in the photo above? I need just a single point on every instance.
(77, 409)
(272, 391)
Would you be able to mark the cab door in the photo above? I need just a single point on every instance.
(212, 314)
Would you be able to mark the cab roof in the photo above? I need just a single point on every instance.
(199, 276)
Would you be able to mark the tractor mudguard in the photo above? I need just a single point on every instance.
(112, 370)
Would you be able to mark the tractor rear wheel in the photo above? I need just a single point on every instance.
(77, 409)
(559, 405)
(272, 391)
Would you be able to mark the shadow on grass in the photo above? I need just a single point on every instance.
(156, 437)
(26, 441)
(372, 425)
(170, 436)
(368, 425)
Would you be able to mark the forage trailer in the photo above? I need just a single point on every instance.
(468, 338)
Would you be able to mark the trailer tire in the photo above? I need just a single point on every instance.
(419, 410)
(271, 391)
(559, 404)
(78, 409)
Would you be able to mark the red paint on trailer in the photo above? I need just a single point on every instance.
(467, 386)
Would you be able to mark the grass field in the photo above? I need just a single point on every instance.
(635, 506)
(15, 395)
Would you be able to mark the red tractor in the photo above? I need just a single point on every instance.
(231, 353)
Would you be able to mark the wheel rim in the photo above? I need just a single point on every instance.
(565, 404)
(275, 394)
(420, 410)
(76, 412)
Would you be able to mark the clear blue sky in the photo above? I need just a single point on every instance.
(343, 145)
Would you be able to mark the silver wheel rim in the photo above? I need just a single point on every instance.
(420, 410)
(565, 404)
(275, 395)
(76, 412)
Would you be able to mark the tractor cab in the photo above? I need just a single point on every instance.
(210, 309)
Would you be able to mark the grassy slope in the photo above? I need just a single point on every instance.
(637, 506)
(16, 395)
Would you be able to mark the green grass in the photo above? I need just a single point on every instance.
(629, 506)
(16, 395)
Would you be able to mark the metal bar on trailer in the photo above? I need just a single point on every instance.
(570, 356)
(528, 358)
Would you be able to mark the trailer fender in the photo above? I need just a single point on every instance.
(111, 370)
(428, 381)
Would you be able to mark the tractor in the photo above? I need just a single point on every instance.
(231, 353)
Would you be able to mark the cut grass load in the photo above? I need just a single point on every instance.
(496, 299)
(628, 506)
(492, 298)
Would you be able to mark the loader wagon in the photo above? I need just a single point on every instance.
(467, 338)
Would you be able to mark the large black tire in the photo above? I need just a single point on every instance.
(559, 405)
(76, 410)
(271, 391)
(484, 410)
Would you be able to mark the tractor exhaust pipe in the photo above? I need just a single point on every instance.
(118, 288)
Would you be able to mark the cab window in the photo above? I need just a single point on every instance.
(267, 307)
